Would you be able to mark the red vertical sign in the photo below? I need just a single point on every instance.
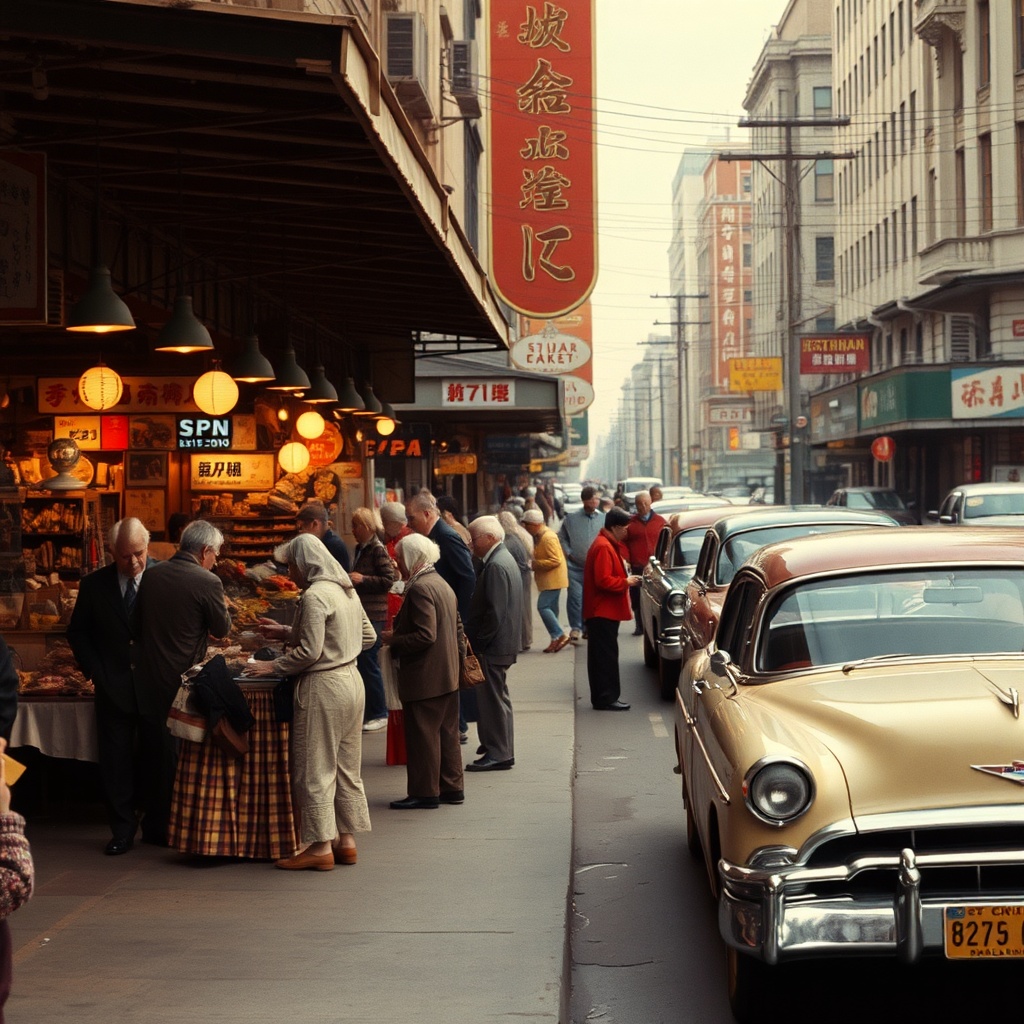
(542, 154)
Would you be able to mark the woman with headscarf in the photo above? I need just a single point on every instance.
(520, 547)
(372, 574)
(329, 631)
(429, 642)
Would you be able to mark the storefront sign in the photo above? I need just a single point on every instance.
(478, 393)
(85, 431)
(562, 346)
(729, 307)
(141, 394)
(542, 154)
(394, 448)
(883, 448)
(835, 353)
(114, 433)
(579, 430)
(206, 432)
(730, 415)
(755, 373)
(323, 450)
(987, 392)
(232, 471)
(456, 464)
(550, 352)
(579, 394)
(23, 212)
(1018, 328)
(905, 396)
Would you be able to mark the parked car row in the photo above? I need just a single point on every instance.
(848, 732)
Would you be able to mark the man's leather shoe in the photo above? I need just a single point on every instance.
(415, 803)
(638, 632)
(614, 706)
(307, 862)
(488, 764)
(118, 846)
(456, 796)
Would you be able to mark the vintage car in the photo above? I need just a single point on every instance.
(729, 542)
(663, 587)
(992, 504)
(882, 499)
(852, 753)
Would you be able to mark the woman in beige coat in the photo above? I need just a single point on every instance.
(428, 640)
(329, 631)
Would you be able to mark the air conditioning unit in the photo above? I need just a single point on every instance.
(462, 65)
(407, 61)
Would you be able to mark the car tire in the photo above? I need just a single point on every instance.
(668, 678)
(750, 985)
(650, 652)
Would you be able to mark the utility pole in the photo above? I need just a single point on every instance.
(798, 458)
(683, 411)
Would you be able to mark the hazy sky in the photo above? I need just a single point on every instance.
(670, 73)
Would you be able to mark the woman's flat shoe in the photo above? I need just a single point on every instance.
(344, 855)
(560, 643)
(307, 862)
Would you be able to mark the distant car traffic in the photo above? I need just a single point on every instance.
(881, 499)
(850, 747)
(992, 504)
(631, 486)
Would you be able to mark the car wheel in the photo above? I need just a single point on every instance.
(750, 984)
(650, 652)
(668, 678)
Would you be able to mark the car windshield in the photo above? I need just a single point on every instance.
(874, 499)
(738, 548)
(1007, 503)
(686, 547)
(934, 611)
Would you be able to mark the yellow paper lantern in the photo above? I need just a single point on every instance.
(216, 393)
(100, 387)
(385, 426)
(310, 425)
(293, 457)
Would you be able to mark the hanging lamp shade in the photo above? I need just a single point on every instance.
(252, 366)
(321, 390)
(349, 400)
(310, 425)
(100, 387)
(371, 404)
(293, 457)
(215, 393)
(100, 310)
(387, 420)
(184, 332)
(289, 376)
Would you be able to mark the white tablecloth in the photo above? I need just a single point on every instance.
(57, 728)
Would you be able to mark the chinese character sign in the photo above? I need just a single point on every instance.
(542, 154)
(562, 346)
(730, 310)
(477, 393)
(984, 393)
(835, 353)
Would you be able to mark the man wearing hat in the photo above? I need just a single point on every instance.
(606, 583)
(551, 575)
(313, 518)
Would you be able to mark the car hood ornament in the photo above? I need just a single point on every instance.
(1013, 772)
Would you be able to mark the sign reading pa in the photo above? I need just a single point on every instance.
(542, 154)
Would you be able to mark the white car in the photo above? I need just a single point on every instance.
(989, 504)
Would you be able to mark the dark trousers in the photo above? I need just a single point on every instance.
(634, 598)
(603, 661)
(434, 755)
(368, 664)
(495, 723)
(158, 762)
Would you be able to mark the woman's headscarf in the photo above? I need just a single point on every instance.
(314, 563)
(418, 553)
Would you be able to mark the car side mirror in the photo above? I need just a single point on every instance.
(721, 663)
(933, 515)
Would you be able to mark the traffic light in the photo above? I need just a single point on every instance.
(734, 439)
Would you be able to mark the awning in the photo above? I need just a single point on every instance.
(274, 134)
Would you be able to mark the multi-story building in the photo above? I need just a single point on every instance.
(930, 242)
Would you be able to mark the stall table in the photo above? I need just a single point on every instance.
(57, 726)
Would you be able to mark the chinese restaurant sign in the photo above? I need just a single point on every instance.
(984, 393)
(232, 471)
(755, 373)
(141, 394)
(472, 394)
(835, 353)
(561, 346)
(542, 154)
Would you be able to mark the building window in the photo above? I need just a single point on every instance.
(822, 99)
(892, 38)
(824, 187)
(825, 323)
(746, 184)
(901, 25)
(958, 78)
(882, 45)
(913, 117)
(748, 295)
(472, 150)
(961, 193)
(748, 250)
(824, 258)
(984, 46)
(903, 127)
(985, 160)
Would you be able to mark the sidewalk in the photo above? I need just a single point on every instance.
(453, 916)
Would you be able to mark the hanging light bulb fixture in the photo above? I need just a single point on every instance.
(349, 400)
(100, 387)
(371, 404)
(310, 425)
(289, 376)
(252, 366)
(215, 392)
(293, 457)
(321, 391)
(387, 420)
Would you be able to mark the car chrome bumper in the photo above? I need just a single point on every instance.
(774, 915)
(669, 645)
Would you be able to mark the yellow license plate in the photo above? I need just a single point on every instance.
(973, 933)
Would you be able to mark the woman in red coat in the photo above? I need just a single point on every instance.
(606, 583)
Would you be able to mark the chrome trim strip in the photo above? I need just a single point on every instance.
(723, 793)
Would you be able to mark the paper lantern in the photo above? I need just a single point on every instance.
(100, 387)
(385, 426)
(216, 393)
(310, 425)
(293, 457)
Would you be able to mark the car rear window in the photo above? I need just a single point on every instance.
(937, 611)
(978, 506)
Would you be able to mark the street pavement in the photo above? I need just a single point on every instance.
(455, 916)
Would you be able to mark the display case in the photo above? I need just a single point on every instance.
(63, 532)
(253, 538)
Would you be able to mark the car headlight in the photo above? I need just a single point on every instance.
(676, 602)
(778, 791)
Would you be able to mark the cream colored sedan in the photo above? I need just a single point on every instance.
(852, 752)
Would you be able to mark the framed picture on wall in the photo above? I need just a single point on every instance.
(146, 469)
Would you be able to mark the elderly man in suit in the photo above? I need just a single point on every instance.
(181, 604)
(100, 636)
(494, 627)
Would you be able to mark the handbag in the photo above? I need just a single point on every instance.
(471, 672)
(225, 737)
(185, 720)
